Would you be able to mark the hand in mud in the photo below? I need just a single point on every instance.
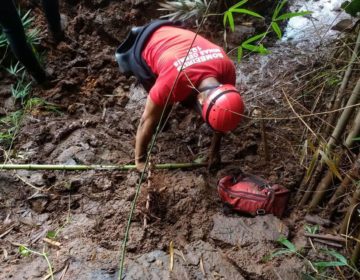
(140, 165)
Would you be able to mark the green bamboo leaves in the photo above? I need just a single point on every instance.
(276, 18)
(229, 18)
(250, 44)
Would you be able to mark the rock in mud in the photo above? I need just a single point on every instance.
(37, 179)
(121, 95)
(200, 260)
(68, 154)
(243, 231)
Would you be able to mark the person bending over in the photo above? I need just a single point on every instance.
(173, 67)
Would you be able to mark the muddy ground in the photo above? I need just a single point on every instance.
(99, 113)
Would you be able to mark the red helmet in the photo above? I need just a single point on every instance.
(223, 108)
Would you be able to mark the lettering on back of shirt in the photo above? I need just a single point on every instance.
(198, 55)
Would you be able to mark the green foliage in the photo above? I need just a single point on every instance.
(319, 268)
(51, 234)
(24, 251)
(259, 48)
(289, 249)
(183, 9)
(352, 7)
(276, 18)
(15, 69)
(22, 89)
(5, 138)
(13, 119)
(10, 125)
(229, 18)
(39, 103)
(311, 229)
(3, 40)
(32, 34)
(329, 159)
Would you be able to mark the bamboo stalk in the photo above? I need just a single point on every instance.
(347, 219)
(345, 116)
(95, 167)
(321, 188)
(308, 189)
(344, 186)
(344, 82)
(327, 179)
(356, 253)
(305, 182)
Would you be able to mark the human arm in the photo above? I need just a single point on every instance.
(148, 122)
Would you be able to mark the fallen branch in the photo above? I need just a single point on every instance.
(326, 237)
(95, 166)
(333, 244)
(7, 231)
(316, 220)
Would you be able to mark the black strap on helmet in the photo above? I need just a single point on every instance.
(212, 103)
(207, 88)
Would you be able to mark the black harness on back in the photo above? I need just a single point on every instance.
(128, 54)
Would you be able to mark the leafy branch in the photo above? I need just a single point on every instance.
(249, 44)
(25, 251)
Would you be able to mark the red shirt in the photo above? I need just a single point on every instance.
(165, 53)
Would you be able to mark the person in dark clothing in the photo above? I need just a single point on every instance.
(11, 25)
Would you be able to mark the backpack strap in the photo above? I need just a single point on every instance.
(129, 53)
(258, 181)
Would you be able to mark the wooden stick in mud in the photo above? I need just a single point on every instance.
(263, 135)
(333, 244)
(326, 237)
(95, 166)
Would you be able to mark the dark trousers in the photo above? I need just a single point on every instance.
(12, 27)
(51, 9)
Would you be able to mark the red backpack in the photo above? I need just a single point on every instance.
(252, 195)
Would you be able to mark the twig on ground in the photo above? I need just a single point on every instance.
(326, 237)
(333, 244)
(7, 231)
(52, 242)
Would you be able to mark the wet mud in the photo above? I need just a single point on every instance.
(98, 112)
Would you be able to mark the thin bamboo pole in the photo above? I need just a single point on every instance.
(345, 116)
(353, 203)
(339, 129)
(344, 186)
(327, 179)
(95, 167)
(344, 82)
(307, 185)
(356, 253)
